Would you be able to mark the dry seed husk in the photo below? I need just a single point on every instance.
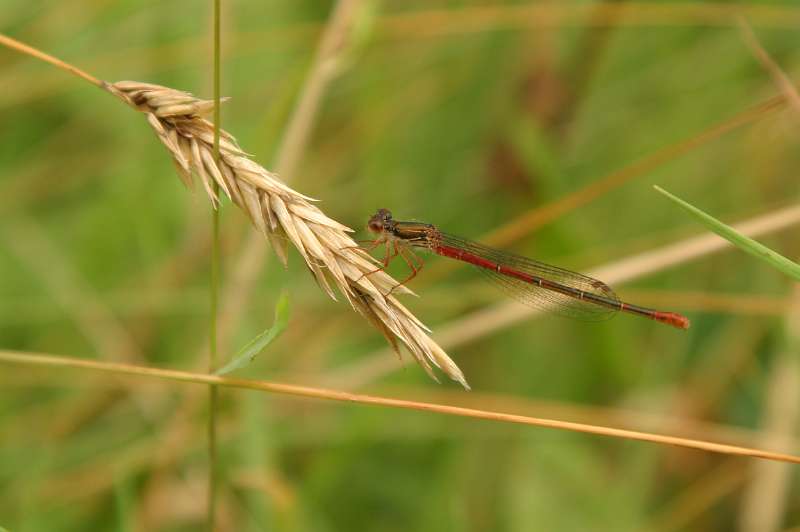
(281, 213)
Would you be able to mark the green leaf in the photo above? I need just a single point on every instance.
(748, 245)
(249, 352)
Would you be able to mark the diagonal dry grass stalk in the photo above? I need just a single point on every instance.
(327, 65)
(279, 212)
(324, 70)
(335, 395)
(778, 75)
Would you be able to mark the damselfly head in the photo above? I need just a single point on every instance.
(380, 221)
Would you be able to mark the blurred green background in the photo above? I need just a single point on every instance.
(465, 114)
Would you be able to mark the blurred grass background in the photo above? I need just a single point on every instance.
(464, 114)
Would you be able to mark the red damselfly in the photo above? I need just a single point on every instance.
(531, 282)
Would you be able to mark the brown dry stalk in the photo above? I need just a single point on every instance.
(279, 212)
(326, 67)
(778, 75)
(19, 357)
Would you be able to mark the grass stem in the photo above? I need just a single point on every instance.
(213, 391)
(403, 404)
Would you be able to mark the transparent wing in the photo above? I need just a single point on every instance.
(533, 295)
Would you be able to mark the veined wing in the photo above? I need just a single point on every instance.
(560, 288)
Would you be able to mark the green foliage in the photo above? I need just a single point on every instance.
(250, 351)
(748, 245)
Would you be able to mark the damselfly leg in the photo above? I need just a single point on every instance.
(410, 258)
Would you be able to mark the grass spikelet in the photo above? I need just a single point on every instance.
(281, 213)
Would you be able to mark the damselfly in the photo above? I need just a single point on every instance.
(531, 282)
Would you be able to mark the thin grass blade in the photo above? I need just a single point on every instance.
(748, 245)
(250, 351)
